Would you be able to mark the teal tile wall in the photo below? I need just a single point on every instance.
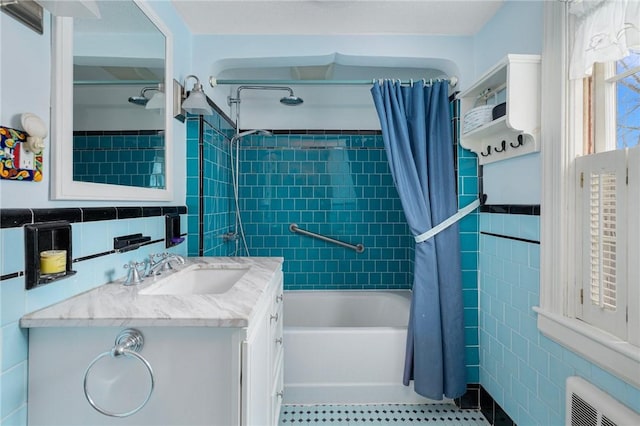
(524, 371)
(467, 171)
(88, 239)
(467, 193)
(335, 185)
(209, 135)
(193, 184)
(123, 159)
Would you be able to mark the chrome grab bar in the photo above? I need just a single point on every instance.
(359, 248)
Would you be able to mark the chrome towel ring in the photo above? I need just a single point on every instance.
(128, 343)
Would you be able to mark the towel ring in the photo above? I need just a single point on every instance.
(127, 344)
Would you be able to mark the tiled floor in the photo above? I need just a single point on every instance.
(380, 414)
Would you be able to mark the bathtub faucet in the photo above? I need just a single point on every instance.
(162, 264)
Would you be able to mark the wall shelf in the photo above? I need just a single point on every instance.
(517, 132)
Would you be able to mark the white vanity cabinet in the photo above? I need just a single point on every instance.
(204, 375)
(262, 360)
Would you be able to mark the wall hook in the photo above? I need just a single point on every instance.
(488, 153)
(519, 144)
(503, 146)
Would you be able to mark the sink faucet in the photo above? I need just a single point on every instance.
(133, 275)
(163, 264)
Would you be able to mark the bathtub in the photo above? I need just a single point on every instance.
(346, 347)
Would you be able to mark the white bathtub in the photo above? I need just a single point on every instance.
(346, 347)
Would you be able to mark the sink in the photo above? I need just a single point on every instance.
(198, 279)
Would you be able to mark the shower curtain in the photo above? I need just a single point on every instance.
(416, 129)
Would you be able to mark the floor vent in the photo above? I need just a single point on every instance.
(589, 406)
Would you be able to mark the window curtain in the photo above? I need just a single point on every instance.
(606, 30)
(416, 129)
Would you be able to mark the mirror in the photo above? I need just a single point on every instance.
(111, 118)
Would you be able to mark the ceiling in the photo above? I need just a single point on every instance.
(336, 17)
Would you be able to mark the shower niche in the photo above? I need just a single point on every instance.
(513, 86)
(48, 253)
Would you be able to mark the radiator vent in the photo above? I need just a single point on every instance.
(589, 406)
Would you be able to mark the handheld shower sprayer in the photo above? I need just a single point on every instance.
(240, 135)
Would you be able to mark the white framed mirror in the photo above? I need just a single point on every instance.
(106, 144)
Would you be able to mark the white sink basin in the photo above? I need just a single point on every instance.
(198, 279)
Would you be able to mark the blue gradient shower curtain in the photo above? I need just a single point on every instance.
(416, 128)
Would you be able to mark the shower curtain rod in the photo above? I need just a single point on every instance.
(116, 82)
(453, 80)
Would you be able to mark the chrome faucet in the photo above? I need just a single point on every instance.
(133, 275)
(163, 264)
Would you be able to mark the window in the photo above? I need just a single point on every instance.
(611, 125)
(590, 231)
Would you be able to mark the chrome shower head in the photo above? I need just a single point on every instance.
(138, 100)
(141, 99)
(291, 100)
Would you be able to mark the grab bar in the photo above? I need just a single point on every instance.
(359, 248)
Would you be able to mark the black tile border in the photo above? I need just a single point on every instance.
(154, 211)
(509, 237)
(492, 411)
(11, 275)
(471, 398)
(477, 397)
(524, 209)
(16, 218)
(129, 212)
(54, 214)
(117, 132)
(93, 214)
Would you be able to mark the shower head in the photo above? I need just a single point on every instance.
(138, 100)
(250, 132)
(141, 99)
(291, 100)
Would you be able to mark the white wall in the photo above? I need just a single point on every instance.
(516, 28)
(107, 108)
(25, 88)
(326, 107)
(25, 85)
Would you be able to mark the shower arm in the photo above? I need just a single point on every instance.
(236, 100)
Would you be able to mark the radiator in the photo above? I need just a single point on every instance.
(589, 406)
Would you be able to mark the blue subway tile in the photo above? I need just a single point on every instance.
(13, 393)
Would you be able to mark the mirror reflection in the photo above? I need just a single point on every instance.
(118, 98)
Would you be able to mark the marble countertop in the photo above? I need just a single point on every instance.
(114, 304)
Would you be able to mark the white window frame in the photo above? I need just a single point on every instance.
(561, 139)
